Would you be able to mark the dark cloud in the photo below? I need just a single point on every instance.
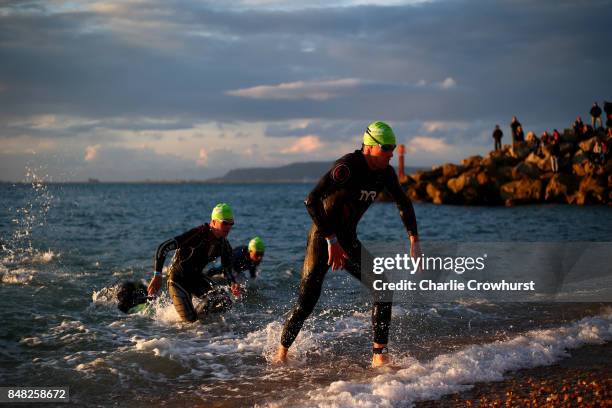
(337, 130)
(170, 65)
(506, 56)
(67, 127)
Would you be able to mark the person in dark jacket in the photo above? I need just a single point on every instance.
(520, 135)
(577, 127)
(596, 116)
(608, 110)
(497, 136)
(514, 125)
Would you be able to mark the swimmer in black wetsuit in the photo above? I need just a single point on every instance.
(336, 205)
(244, 258)
(194, 250)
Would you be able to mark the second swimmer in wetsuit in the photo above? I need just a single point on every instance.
(336, 205)
(194, 250)
(244, 258)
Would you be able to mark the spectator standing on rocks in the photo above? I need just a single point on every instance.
(577, 126)
(607, 147)
(554, 152)
(520, 135)
(608, 110)
(596, 116)
(514, 125)
(533, 142)
(497, 136)
(544, 141)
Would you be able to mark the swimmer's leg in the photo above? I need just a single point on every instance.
(381, 309)
(182, 302)
(313, 272)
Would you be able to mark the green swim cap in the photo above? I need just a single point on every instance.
(379, 131)
(138, 308)
(257, 245)
(222, 212)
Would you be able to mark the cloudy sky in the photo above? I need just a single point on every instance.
(163, 89)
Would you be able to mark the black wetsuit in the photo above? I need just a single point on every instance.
(336, 205)
(194, 250)
(241, 261)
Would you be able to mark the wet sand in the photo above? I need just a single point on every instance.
(582, 380)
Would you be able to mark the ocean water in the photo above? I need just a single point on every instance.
(64, 247)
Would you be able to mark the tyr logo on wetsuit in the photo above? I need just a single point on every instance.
(368, 195)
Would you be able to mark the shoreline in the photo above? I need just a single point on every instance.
(582, 379)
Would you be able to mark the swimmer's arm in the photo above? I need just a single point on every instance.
(329, 183)
(162, 252)
(226, 262)
(404, 205)
(158, 265)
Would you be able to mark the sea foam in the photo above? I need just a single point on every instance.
(457, 371)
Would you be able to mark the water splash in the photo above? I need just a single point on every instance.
(29, 218)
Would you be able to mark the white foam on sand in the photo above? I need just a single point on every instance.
(453, 372)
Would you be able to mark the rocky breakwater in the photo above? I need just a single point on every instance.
(520, 175)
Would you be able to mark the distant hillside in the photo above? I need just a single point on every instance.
(305, 172)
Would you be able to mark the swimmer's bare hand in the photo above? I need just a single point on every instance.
(235, 289)
(337, 256)
(415, 248)
(154, 286)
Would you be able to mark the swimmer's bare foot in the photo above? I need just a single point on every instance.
(281, 355)
(380, 356)
(380, 360)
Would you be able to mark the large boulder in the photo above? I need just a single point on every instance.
(459, 183)
(451, 170)
(586, 168)
(565, 148)
(407, 182)
(592, 190)
(587, 145)
(580, 156)
(503, 174)
(471, 161)
(417, 192)
(569, 136)
(561, 187)
(421, 176)
(470, 196)
(545, 178)
(542, 163)
(439, 194)
(522, 191)
(524, 169)
(499, 158)
(483, 178)
(520, 151)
